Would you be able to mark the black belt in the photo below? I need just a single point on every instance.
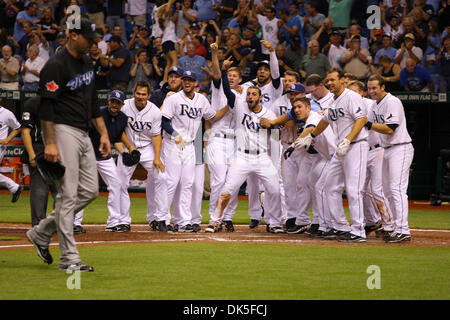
(224, 135)
(252, 151)
(311, 150)
(358, 141)
(374, 147)
(9, 81)
(398, 144)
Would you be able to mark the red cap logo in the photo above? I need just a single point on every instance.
(51, 86)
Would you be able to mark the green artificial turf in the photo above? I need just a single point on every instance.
(97, 213)
(191, 271)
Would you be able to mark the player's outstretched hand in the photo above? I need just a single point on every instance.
(304, 142)
(265, 123)
(158, 165)
(342, 147)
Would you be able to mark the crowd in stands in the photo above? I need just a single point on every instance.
(142, 40)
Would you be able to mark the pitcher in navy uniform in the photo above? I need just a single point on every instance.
(68, 109)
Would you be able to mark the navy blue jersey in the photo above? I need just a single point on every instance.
(115, 126)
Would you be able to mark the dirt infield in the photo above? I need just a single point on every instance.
(96, 235)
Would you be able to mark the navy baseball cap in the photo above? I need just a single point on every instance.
(177, 70)
(297, 88)
(264, 62)
(86, 27)
(117, 95)
(189, 74)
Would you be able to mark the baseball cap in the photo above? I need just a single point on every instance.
(117, 95)
(264, 62)
(355, 36)
(115, 39)
(387, 35)
(297, 88)
(195, 26)
(61, 35)
(189, 74)
(410, 36)
(85, 27)
(336, 33)
(177, 70)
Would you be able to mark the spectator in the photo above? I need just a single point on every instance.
(295, 52)
(431, 63)
(269, 25)
(426, 10)
(23, 42)
(356, 60)
(398, 9)
(224, 11)
(118, 31)
(100, 71)
(408, 50)
(444, 14)
(295, 13)
(355, 30)
(334, 50)
(186, 16)
(11, 9)
(9, 70)
(201, 49)
(395, 29)
(166, 22)
(114, 14)
(137, 12)
(233, 48)
(324, 33)
(339, 11)
(141, 70)
(194, 63)
(390, 72)
(289, 27)
(119, 62)
(443, 58)
(107, 32)
(375, 41)
(314, 61)
(420, 27)
(409, 27)
(282, 4)
(32, 68)
(95, 11)
(252, 41)
(414, 77)
(387, 49)
(39, 40)
(139, 39)
(62, 41)
(285, 64)
(101, 43)
(158, 61)
(48, 27)
(205, 10)
(29, 14)
(313, 20)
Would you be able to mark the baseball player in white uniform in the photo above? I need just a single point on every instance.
(268, 80)
(378, 216)
(220, 149)
(321, 97)
(390, 121)
(182, 113)
(347, 117)
(8, 122)
(252, 155)
(144, 132)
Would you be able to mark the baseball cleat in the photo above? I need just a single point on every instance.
(161, 226)
(212, 228)
(316, 234)
(350, 237)
(253, 223)
(229, 227)
(78, 230)
(312, 228)
(123, 228)
(112, 229)
(395, 237)
(16, 194)
(382, 233)
(171, 228)
(42, 252)
(296, 229)
(76, 267)
(153, 225)
(333, 234)
(186, 228)
(276, 230)
(375, 227)
(290, 223)
(196, 227)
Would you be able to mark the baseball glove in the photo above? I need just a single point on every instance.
(131, 159)
(288, 152)
(51, 172)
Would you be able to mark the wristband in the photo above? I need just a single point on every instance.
(312, 135)
(368, 125)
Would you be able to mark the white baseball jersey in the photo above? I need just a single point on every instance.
(218, 101)
(283, 105)
(323, 103)
(142, 125)
(343, 113)
(186, 114)
(250, 135)
(324, 143)
(390, 111)
(373, 136)
(7, 121)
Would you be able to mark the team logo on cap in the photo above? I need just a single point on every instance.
(292, 86)
(117, 95)
(51, 86)
(93, 27)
